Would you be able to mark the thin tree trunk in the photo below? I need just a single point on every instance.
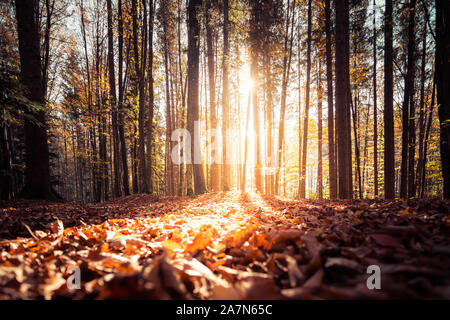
(329, 59)
(306, 116)
(355, 117)
(319, 135)
(121, 124)
(225, 101)
(212, 97)
(375, 118)
(113, 102)
(422, 110)
(427, 133)
(388, 113)
(150, 96)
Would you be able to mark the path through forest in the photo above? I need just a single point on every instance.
(225, 246)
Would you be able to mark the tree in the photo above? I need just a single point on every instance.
(408, 106)
(140, 65)
(150, 95)
(443, 86)
(195, 170)
(123, 148)
(113, 101)
(319, 135)
(329, 62)
(287, 58)
(343, 100)
(302, 191)
(225, 100)
(215, 170)
(375, 118)
(37, 172)
(388, 113)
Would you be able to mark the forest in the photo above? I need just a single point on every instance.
(224, 149)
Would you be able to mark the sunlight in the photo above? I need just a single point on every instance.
(245, 82)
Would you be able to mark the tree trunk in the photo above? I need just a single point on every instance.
(194, 7)
(302, 193)
(375, 118)
(123, 147)
(422, 110)
(329, 58)
(427, 134)
(37, 171)
(319, 135)
(113, 102)
(389, 151)
(212, 96)
(150, 96)
(225, 101)
(407, 98)
(343, 100)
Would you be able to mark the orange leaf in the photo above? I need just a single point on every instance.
(171, 245)
(200, 242)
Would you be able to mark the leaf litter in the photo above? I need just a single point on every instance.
(225, 246)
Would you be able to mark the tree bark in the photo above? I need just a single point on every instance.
(212, 95)
(113, 102)
(407, 99)
(319, 135)
(225, 101)
(121, 111)
(388, 113)
(302, 192)
(192, 101)
(375, 117)
(343, 100)
(37, 171)
(329, 61)
(150, 95)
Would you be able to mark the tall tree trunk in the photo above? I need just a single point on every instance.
(150, 96)
(319, 134)
(113, 102)
(329, 58)
(407, 99)
(169, 164)
(287, 55)
(37, 171)
(194, 7)
(225, 101)
(422, 109)
(6, 191)
(427, 134)
(443, 86)
(343, 100)
(123, 147)
(355, 117)
(140, 62)
(389, 151)
(212, 95)
(375, 118)
(244, 167)
(302, 193)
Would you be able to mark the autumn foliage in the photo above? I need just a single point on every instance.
(224, 246)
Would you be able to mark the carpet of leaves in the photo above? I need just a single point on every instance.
(225, 246)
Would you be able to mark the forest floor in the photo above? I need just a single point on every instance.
(225, 246)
